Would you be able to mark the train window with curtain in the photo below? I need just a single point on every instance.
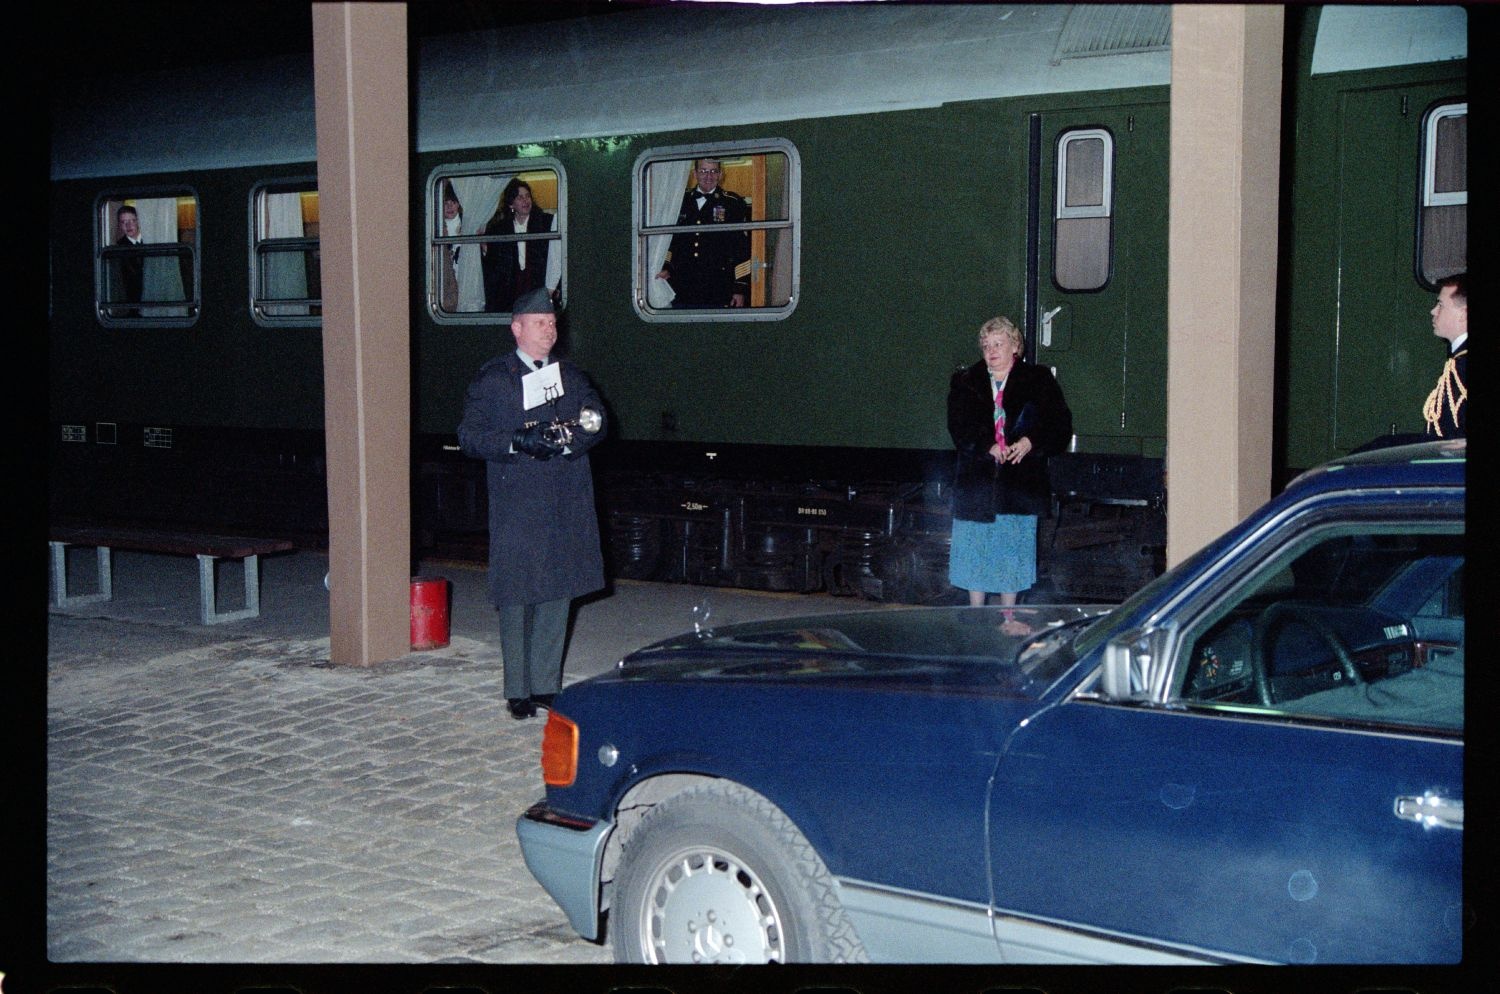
(1085, 205)
(495, 230)
(285, 274)
(146, 258)
(1443, 222)
(717, 231)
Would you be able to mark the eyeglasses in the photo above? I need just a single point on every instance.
(708, 170)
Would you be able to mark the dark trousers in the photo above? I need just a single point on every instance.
(531, 647)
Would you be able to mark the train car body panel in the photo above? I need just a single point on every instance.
(950, 163)
(681, 69)
(1357, 357)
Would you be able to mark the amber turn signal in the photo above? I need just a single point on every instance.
(559, 751)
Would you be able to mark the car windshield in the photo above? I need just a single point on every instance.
(1112, 623)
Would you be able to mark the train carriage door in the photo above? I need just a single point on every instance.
(1097, 270)
(1383, 364)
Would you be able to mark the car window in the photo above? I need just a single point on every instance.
(1358, 624)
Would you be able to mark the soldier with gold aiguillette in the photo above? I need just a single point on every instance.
(1444, 411)
(710, 268)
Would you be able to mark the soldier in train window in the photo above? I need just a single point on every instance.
(707, 268)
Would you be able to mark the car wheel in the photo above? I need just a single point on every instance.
(717, 874)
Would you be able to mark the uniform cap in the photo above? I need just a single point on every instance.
(537, 301)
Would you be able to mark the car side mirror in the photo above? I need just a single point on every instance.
(1137, 663)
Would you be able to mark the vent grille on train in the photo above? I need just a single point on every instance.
(1114, 29)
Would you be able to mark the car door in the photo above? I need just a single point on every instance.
(1263, 808)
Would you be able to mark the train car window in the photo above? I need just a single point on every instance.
(146, 270)
(717, 231)
(495, 231)
(285, 274)
(1085, 208)
(1443, 226)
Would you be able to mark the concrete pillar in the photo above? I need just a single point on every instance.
(1221, 300)
(360, 78)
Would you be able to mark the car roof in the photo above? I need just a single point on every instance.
(1439, 463)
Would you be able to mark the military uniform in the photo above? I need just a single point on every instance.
(1444, 410)
(706, 268)
(544, 527)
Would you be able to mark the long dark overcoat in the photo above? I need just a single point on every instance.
(1034, 409)
(544, 528)
(498, 262)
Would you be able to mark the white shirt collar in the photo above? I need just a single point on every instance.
(1458, 343)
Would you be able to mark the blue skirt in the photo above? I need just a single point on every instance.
(996, 557)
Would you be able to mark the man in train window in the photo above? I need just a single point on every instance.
(707, 268)
(131, 266)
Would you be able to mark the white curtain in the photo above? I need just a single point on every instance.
(666, 185)
(285, 272)
(554, 259)
(477, 196)
(781, 268)
(161, 276)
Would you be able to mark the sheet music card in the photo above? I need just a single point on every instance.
(542, 386)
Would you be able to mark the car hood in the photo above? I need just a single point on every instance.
(1021, 650)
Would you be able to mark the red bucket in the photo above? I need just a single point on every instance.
(429, 612)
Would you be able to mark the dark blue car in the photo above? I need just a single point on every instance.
(1256, 758)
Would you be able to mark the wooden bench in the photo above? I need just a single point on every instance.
(208, 549)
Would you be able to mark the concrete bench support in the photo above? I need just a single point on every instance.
(208, 604)
(60, 595)
(208, 549)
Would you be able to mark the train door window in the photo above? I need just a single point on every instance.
(747, 267)
(496, 230)
(285, 273)
(1443, 226)
(146, 259)
(1085, 205)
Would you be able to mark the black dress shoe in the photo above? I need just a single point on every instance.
(543, 700)
(520, 707)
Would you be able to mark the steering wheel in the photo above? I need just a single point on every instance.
(1262, 643)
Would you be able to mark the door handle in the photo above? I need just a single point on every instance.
(1047, 326)
(1431, 811)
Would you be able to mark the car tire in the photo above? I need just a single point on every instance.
(717, 874)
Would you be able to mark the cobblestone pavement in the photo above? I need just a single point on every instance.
(248, 802)
(224, 794)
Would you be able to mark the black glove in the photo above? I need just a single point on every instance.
(534, 442)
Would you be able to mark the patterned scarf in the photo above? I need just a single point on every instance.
(999, 412)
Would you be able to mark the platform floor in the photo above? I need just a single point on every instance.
(224, 794)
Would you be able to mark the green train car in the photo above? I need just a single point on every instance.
(908, 172)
